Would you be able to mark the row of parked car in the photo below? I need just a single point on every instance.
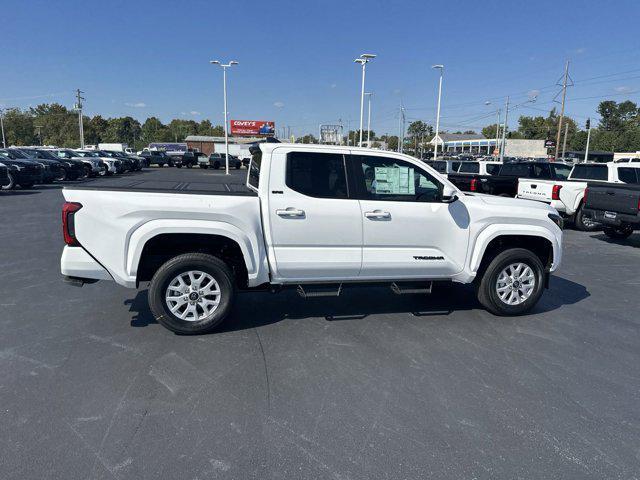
(191, 159)
(562, 185)
(25, 167)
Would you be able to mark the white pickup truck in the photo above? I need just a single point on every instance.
(312, 217)
(567, 197)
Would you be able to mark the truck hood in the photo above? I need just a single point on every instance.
(513, 202)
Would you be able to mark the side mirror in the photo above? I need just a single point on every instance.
(449, 194)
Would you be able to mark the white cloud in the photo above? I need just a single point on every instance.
(580, 50)
(136, 105)
(334, 85)
(278, 104)
(533, 93)
(195, 112)
(623, 89)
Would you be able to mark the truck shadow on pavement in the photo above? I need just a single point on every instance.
(633, 241)
(257, 309)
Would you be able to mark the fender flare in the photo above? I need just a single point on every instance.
(139, 238)
(502, 230)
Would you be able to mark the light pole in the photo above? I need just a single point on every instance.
(586, 150)
(441, 68)
(363, 60)
(4, 142)
(226, 122)
(369, 94)
(497, 124)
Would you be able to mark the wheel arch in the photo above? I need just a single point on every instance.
(498, 238)
(154, 242)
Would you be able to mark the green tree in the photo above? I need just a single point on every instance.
(19, 127)
(308, 138)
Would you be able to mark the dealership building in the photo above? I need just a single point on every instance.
(454, 143)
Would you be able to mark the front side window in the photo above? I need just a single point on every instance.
(562, 171)
(493, 169)
(515, 170)
(541, 170)
(319, 175)
(382, 178)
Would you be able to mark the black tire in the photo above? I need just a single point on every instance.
(619, 233)
(216, 165)
(11, 184)
(189, 165)
(178, 166)
(238, 167)
(584, 224)
(204, 166)
(209, 264)
(486, 287)
(88, 171)
(26, 185)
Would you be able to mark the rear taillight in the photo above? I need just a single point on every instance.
(474, 185)
(68, 223)
(584, 197)
(555, 192)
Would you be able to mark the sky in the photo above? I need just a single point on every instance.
(151, 58)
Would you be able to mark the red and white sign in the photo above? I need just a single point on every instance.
(252, 127)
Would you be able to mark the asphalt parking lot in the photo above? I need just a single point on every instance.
(368, 385)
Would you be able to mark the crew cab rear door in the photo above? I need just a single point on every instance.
(315, 228)
(407, 232)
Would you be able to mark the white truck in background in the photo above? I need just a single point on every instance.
(115, 147)
(567, 197)
(317, 218)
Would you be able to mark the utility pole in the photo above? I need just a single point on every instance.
(564, 96)
(564, 143)
(401, 129)
(498, 128)
(39, 128)
(504, 130)
(79, 100)
(586, 150)
(4, 142)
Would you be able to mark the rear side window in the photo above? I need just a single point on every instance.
(320, 175)
(589, 172)
(541, 171)
(493, 169)
(515, 170)
(254, 168)
(440, 166)
(469, 167)
(628, 175)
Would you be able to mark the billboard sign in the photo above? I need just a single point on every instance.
(549, 143)
(252, 127)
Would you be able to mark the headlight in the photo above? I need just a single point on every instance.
(557, 219)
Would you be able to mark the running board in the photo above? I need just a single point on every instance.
(407, 288)
(320, 290)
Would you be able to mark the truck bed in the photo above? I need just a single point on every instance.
(213, 186)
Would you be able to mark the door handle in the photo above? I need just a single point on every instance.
(533, 185)
(377, 214)
(290, 212)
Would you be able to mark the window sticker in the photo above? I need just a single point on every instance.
(394, 180)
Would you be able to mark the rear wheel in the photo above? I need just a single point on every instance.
(216, 165)
(584, 223)
(204, 166)
(512, 283)
(619, 233)
(192, 293)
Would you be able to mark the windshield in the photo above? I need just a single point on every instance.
(47, 154)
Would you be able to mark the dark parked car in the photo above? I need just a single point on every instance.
(74, 169)
(24, 173)
(157, 158)
(51, 170)
(505, 182)
(615, 206)
(4, 174)
(93, 166)
(218, 160)
(126, 164)
(135, 162)
(190, 159)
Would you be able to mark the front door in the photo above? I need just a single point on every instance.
(408, 232)
(315, 229)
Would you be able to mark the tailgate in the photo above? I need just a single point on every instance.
(614, 199)
(535, 190)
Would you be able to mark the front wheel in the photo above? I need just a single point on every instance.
(178, 166)
(192, 293)
(584, 223)
(204, 166)
(216, 165)
(619, 233)
(512, 283)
